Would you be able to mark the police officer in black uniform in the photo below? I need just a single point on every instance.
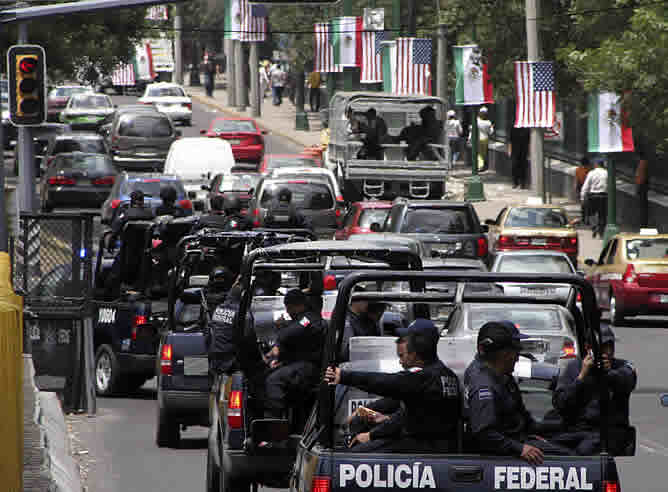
(429, 394)
(216, 218)
(224, 334)
(137, 211)
(168, 206)
(296, 357)
(500, 423)
(282, 206)
(234, 221)
(221, 280)
(358, 324)
(578, 399)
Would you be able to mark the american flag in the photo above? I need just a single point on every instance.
(370, 63)
(413, 65)
(324, 51)
(253, 22)
(535, 94)
(123, 75)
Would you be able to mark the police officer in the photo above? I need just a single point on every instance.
(223, 329)
(221, 280)
(216, 218)
(500, 423)
(429, 394)
(267, 283)
(578, 399)
(283, 205)
(168, 206)
(137, 211)
(357, 324)
(234, 221)
(296, 357)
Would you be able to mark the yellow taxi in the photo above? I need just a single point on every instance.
(533, 226)
(631, 275)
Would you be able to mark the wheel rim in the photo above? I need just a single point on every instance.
(103, 372)
(613, 309)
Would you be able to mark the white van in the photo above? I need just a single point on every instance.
(196, 160)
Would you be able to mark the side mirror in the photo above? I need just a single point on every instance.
(589, 262)
(490, 222)
(202, 132)
(484, 228)
(375, 227)
(664, 400)
(205, 188)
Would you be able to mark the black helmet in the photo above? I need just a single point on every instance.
(168, 194)
(284, 195)
(232, 204)
(221, 277)
(137, 197)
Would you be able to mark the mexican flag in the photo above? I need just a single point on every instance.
(347, 40)
(607, 129)
(389, 59)
(232, 19)
(473, 85)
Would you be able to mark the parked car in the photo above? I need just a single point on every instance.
(363, 218)
(243, 134)
(87, 111)
(77, 179)
(90, 143)
(631, 275)
(195, 160)
(276, 161)
(447, 228)
(520, 227)
(170, 99)
(150, 184)
(140, 139)
(239, 184)
(58, 97)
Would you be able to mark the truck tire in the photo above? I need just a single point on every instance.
(168, 433)
(616, 311)
(107, 371)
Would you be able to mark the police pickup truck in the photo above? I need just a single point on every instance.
(325, 463)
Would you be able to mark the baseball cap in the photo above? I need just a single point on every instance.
(607, 335)
(295, 297)
(497, 335)
(420, 326)
(137, 196)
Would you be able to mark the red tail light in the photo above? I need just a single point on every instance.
(115, 203)
(506, 241)
(329, 282)
(568, 349)
(482, 247)
(107, 180)
(61, 180)
(339, 213)
(324, 484)
(569, 243)
(609, 486)
(256, 212)
(579, 297)
(186, 204)
(138, 320)
(339, 198)
(256, 223)
(188, 105)
(166, 360)
(234, 405)
(630, 276)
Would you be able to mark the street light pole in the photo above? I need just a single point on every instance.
(611, 229)
(536, 148)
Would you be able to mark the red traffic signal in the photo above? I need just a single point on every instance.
(28, 65)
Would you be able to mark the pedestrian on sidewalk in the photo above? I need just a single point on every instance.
(518, 151)
(209, 74)
(485, 131)
(454, 131)
(581, 173)
(264, 78)
(595, 194)
(314, 82)
(645, 155)
(277, 83)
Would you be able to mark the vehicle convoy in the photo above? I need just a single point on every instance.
(386, 172)
(325, 462)
(238, 456)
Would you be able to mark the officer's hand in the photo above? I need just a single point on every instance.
(376, 418)
(274, 364)
(587, 364)
(333, 375)
(606, 361)
(532, 455)
(360, 438)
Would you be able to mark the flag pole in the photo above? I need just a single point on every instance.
(611, 229)
(536, 146)
(474, 188)
(348, 72)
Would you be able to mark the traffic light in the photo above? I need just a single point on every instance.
(26, 66)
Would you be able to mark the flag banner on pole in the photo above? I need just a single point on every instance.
(413, 66)
(535, 95)
(323, 50)
(473, 86)
(253, 22)
(123, 75)
(232, 19)
(346, 39)
(389, 59)
(157, 13)
(371, 57)
(607, 125)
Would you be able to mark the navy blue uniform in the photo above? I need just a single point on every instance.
(216, 221)
(224, 332)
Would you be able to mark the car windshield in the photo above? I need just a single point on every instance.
(90, 102)
(276, 162)
(151, 187)
(310, 196)
(165, 92)
(437, 221)
(146, 126)
(223, 126)
(644, 249)
(533, 264)
(373, 216)
(69, 91)
(83, 163)
(536, 217)
(237, 182)
(89, 145)
(525, 319)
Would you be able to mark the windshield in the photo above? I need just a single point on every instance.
(187, 315)
(643, 249)
(165, 92)
(310, 196)
(533, 264)
(92, 146)
(90, 102)
(276, 162)
(237, 182)
(151, 187)
(524, 319)
(69, 91)
(437, 221)
(146, 126)
(373, 216)
(536, 217)
(223, 126)
(83, 163)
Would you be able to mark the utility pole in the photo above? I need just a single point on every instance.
(348, 72)
(178, 45)
(611, 229)
(26, 152)
(254, 63)
(536, 149)
(474, 188)
(442, 62)
(230, 76)
(239, 74)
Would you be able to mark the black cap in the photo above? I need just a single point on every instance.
(420, 326)
(607, 335)
(497, 335)
(295, 297)
(137, 196)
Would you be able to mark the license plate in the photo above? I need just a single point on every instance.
(353, 403)
(537, 291)
(195, 366)
(234, 141)
(663, 298)
(539, 242)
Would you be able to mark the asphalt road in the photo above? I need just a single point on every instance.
(118, 451)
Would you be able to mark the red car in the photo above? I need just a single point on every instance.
(274, 161)
(243, 134)
(360, 217)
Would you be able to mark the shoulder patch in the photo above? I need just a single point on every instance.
(305, 322)
(484, 394)
(223, 315)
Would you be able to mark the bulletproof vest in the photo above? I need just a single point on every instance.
(224, 333)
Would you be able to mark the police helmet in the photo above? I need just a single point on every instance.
(168, 194)
(232, 204)
(284, 195)
(137, 197)
(221, 277)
